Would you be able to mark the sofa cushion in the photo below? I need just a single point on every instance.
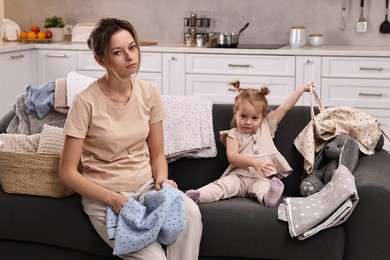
(52, 140)
(250, 219)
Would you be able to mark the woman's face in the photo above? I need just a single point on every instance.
(123, 54)
(247, 118)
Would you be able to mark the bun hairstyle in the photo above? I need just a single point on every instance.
(256, 97)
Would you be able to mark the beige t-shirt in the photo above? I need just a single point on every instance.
(115, 153)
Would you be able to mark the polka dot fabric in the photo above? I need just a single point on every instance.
(159, 216)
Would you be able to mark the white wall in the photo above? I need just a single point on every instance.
(162, 20)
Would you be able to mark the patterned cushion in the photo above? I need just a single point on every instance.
(51, 141)
(19, 143)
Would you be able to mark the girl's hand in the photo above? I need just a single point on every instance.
(306, 87)
(264, 168)
(158, 185)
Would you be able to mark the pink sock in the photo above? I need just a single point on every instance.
(193, 194)
(274, 193)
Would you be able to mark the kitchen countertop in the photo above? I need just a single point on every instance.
(327, 50)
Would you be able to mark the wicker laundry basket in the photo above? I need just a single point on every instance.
(31, 174)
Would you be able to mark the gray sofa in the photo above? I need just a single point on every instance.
(238, 228)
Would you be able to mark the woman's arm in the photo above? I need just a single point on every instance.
(72, 178)
(158, 161)
(287, 104)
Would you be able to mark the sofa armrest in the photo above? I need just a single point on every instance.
(368, 228)
(5, 120)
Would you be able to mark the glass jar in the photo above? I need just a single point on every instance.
(297, 36)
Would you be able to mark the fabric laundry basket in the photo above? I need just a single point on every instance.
(31, 174)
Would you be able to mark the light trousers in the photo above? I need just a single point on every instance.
(234, 185)
(186, 245)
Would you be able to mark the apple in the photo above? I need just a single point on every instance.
(35, 28)
(48, 34)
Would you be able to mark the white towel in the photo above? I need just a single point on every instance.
(327, 208)
(75, 83)
(188, 128)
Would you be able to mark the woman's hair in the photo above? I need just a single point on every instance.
(256, 97)
(99, 39)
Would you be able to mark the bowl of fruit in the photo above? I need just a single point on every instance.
(35, 34)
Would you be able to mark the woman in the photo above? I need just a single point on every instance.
(116, 126)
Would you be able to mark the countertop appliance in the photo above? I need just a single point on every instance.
(11, 30)
(81, 32)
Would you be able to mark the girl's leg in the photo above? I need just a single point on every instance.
(187, 244)
(224, 188)
(267, 192)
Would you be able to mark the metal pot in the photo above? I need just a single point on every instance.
(230, 40)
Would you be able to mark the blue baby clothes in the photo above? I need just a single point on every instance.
(40, 100)
(158, 216)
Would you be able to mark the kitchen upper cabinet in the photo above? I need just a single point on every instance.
(308, 69)
(54, 64)
(173, 73)
(17, 70)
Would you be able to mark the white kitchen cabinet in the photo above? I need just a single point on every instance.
(361, 82)
(308, 69)
(208, 76)
(17, 70)
(54, 64)
(217, 89)
(150, 69)
(173, 73)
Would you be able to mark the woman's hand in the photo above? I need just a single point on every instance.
(264, 168)
(158, 185)
(117, 202)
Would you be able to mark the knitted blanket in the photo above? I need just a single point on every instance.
(327, 208)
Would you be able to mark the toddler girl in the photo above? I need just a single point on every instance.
(256, 166)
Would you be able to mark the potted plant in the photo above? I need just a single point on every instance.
(56, 25)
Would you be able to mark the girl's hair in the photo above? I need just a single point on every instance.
(256, 97)
(99, 39)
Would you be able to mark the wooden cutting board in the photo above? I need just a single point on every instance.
(147, 43)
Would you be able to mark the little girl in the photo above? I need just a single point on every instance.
(256, 166)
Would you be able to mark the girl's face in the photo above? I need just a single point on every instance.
(247, 118)
(123, 54)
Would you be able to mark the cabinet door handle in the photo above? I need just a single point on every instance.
(17, 56)
(173, 58)
(367, 68)
(370, 94)
(239, 65)
(56, 55)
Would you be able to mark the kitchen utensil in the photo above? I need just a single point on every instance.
(385, 26)
(361, 24)
(230, 40)
(81, 32)
(343, 23)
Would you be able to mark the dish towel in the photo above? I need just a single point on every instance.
(60, 103)
(188, 128)
(327, 208)
(158, 216)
